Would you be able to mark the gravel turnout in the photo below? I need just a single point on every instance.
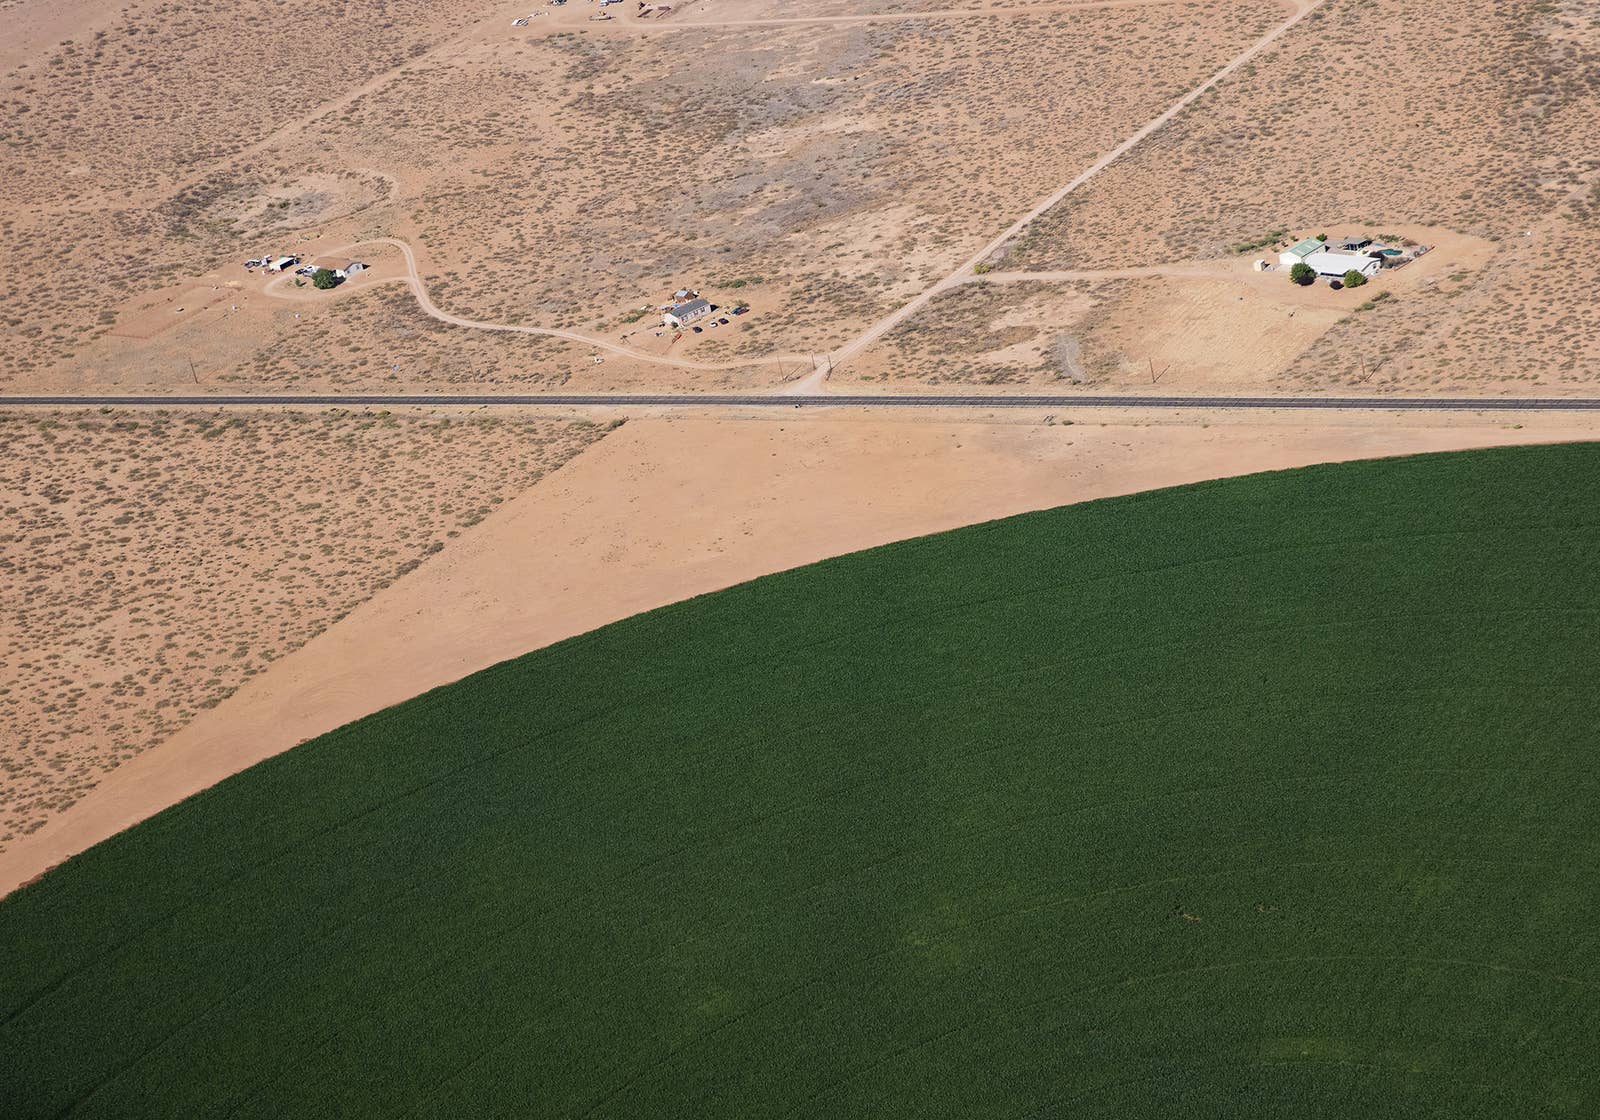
(1264, 797)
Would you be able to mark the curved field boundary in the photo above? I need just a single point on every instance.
(1254, 798)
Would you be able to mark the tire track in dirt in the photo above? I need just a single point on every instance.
(413, 280)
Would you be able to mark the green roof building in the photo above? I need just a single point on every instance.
(1297, 253)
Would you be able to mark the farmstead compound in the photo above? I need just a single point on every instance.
(687, 313)
(1331, 262)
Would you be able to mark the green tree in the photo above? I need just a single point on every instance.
(1354, 279)
(323, 278)
(1303, 274)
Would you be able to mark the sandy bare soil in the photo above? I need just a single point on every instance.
(667, 508)
(571, 175)
(1448, 114)
(151, 563)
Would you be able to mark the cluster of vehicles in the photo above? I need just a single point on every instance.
(272, 264)
(721, 322)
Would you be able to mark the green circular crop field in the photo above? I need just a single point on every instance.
(1267, 797)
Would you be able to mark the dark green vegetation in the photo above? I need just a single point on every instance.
(1303, 274)
(1269, 797)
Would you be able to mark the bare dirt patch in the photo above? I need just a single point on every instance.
(1210, 326)
(672, 507)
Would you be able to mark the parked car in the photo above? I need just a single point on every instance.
(699, 330)
(724, 321)
(740, 310)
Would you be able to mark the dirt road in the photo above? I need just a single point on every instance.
(413, 279)
(962, 275)
(991, 11)
(1301, 9)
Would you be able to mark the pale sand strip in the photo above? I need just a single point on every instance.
(665, 509)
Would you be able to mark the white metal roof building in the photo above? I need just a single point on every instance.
(687, 312)
(1337, 262)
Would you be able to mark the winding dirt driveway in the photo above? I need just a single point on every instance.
(964, 274)
(413, 280)
(1299, 9)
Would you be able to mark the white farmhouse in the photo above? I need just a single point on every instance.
(1329, 262)
(686, 313)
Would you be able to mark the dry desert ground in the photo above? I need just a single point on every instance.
(823, 165)
(1053, 196)
(152, 563)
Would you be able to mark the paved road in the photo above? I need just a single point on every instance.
(832, 400)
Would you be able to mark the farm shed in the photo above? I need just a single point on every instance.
(686, 313)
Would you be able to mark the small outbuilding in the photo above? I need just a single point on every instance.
(685, 313)
(1298, 252)
(278, 264)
